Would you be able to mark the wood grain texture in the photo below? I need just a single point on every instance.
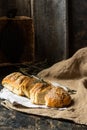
(50, 22)
(50, 18)
(23, 7)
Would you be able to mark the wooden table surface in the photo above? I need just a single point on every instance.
(14, 120)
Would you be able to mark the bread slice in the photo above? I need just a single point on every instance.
(57, 97)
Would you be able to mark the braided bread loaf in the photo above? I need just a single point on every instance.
(37, 90)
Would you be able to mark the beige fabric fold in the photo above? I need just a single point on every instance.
(72, 72)
(76, 112)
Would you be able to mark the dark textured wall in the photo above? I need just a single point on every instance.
(77, 25)
(50, 25)
(51, 29)
(55, 38)
(23, 6)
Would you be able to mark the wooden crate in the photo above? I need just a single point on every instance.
(16, 39)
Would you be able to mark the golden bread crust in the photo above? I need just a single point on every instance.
(39, 91)
(57, 97)
(16, 82)
(40, 94)
(33, 91)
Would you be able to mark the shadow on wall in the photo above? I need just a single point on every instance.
(5, 5)
(23, 7)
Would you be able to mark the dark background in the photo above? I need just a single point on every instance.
(60, 25)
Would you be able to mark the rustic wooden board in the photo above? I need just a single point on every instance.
(51, 29)
(16, 39)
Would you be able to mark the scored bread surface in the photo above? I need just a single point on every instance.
(40, 94)
(38, 91)
(57, 97)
